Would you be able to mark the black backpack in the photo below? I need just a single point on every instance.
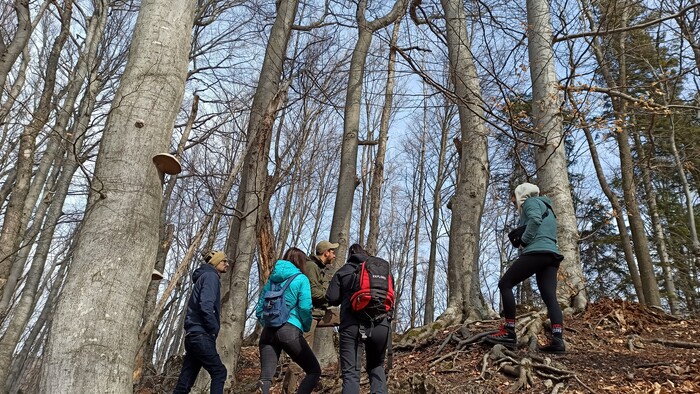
(373, 290)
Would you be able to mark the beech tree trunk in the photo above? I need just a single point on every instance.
(94, 334)
(242, 239)
(435, 224)
(553, 175)
(375, 190)
(467, 204)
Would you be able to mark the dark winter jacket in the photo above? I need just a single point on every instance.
(340, 290)
(204, 306)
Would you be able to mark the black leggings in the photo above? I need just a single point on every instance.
(290, 339)
(545, 267)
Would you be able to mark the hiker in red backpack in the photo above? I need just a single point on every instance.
(539, 256)
(284, 310)
(364, 289)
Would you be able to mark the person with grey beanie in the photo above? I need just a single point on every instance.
(539, 256)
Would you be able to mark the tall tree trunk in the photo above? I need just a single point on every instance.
(15, 90)
(347, 182)
(33, 340)
(118, 240)
(553, 174)
(347, 179)
(165, 236)
(686, 191)
(435, 224)
(378, 170)
(10, 53)
(659, 237)
(242, 237)
(416, 229)
(12, 224)
(650, 286)
(467, 204)
(86, 59)
(625, 241)
(27, 301)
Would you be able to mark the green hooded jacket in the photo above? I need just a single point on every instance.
(316, 271)
(541, 231)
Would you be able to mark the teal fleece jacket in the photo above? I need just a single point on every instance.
(540, 234)
(297, 295)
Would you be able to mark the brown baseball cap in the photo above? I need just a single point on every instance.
(322, 246)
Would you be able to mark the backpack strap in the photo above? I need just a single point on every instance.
(548, 208)
(288, 282)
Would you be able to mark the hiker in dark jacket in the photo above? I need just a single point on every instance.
(202, 323)
(288, 337)
(539, 256)
(353, 331)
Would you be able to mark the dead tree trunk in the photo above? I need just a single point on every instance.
(118, 239)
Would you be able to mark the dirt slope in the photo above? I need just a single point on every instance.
(613, 347)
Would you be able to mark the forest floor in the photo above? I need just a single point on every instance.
(612, 347)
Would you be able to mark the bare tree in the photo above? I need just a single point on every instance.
(467, 204)
(553, 175)
(347, 182)
(14, 216)
(378, 170)
(242, 238)
(117, 242)
(10, 52)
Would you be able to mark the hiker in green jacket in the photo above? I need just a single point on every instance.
(539, 256)
(316, 268)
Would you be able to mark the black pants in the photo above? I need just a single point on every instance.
(200, 351)
(290, 339)
(544, 266)
(375, 350)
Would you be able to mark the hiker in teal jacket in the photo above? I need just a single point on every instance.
(289, 337)
(539, 256)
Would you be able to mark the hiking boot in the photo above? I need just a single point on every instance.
(555, 346)
(505, 336)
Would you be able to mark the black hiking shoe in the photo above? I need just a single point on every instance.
(505, 336)
(555, 346)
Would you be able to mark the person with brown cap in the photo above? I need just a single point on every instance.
(202, 323)
(317, 271)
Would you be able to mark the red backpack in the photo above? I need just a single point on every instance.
(373, 289)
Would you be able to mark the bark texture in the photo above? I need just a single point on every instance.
(94, 334)
(242, 239)
(553, 175)
(467, 204)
